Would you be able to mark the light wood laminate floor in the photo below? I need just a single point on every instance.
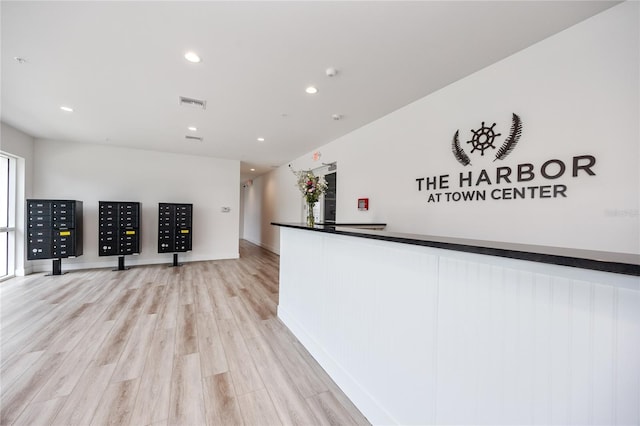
(193, 345)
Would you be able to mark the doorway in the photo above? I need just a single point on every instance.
(329, 206)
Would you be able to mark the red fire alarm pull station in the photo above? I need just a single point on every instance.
(363, 204)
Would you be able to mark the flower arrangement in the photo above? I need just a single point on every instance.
(311, 187)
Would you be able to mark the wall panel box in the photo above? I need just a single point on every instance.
(118, 229)
(54, 230)
(174, 229)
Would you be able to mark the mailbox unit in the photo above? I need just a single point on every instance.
(54, 230)
(174, 227)
(119, 228)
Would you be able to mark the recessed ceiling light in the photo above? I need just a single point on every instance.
(192, 128)
(260, 139)
(311, 90)
(66, 108)
(192, 57)
(253, 170)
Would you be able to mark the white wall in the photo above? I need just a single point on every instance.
(576, 92)
(241, 213)
(271, 197)
(19, 145)
(93, 173)
(252, 210)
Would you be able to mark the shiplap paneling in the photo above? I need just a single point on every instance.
(417, 335)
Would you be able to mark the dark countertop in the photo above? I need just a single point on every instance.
(353, 225)
(621, 263)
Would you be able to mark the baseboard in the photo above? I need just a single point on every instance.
(21, 272)
(264, 246)
(367, 405)
(274, 250)
(252, 241)
(130, 261)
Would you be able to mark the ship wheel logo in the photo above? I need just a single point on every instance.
(484, 138)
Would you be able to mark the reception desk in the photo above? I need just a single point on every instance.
(430, 330)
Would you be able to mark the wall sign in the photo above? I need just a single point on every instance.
(524, 181)
(484, 138)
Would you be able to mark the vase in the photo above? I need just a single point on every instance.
(311, 220)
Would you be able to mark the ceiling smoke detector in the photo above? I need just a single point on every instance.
(336, 117)
(195, 103)
(331, 72)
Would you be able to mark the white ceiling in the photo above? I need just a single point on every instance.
(120, 65)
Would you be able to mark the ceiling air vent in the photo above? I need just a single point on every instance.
(195, 103)
(193, 138)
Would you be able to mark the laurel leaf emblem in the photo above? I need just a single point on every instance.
(458, 152)
(512, 139)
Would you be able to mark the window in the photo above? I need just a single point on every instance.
(7, 208)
